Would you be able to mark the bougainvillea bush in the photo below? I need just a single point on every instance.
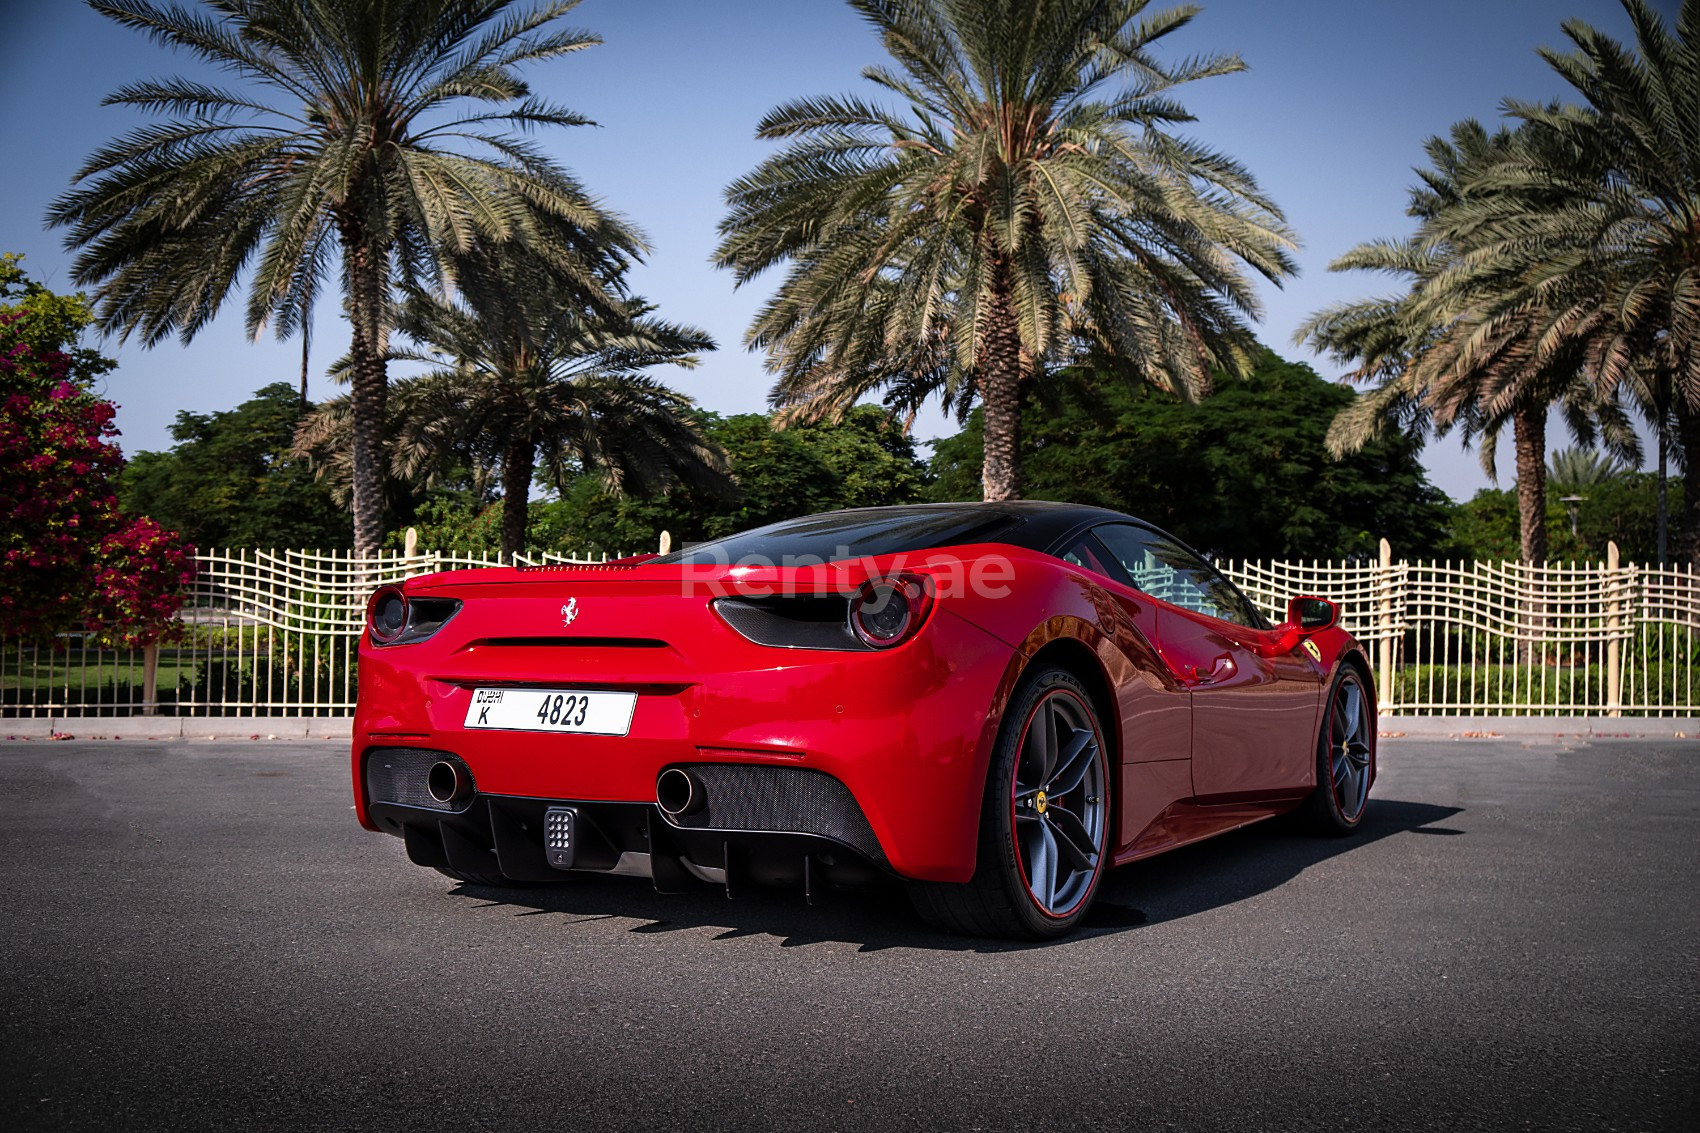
(69, 557)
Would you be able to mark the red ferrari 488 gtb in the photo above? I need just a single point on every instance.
(992, 702)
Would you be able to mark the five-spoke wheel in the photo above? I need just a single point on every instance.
(1059, 804)
(1345, 758)
(1044, 820)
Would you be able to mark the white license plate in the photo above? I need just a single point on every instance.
(552, 710)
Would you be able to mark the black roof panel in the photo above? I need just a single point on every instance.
(1037, 525)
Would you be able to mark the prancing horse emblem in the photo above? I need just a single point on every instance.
(569, 612)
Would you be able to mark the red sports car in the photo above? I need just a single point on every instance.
(994, 703)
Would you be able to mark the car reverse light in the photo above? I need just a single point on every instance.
(889, 611)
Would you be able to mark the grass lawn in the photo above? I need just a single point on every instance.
(51, 671)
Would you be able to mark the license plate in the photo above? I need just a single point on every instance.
(552, 710)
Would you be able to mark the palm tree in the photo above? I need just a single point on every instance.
(1598, 224)
(1446, 365)
(370, 132)
(1027, 208)
(521, 376)
(1576, 470)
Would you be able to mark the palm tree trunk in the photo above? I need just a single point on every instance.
(1656, 404)
(1687, 547)
(1000, 394)
(306, 341)
(370, 381)
(1664, 488)
(517, 464)
(1529, 434)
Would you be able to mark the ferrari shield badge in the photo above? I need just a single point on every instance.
(1311, 648)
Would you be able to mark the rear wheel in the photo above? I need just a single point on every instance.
(1044, 820)
(1345, 757)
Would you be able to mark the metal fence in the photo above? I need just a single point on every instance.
(1515, 639)
(263, 633)
(276, 633)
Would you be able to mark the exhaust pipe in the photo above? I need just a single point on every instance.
(447, 783)
(678, 793)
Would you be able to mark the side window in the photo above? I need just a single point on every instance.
(1168, 571)
(1084, 554)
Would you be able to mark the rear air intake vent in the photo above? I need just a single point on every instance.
(402, 775)
(794, 800)
(795, 622)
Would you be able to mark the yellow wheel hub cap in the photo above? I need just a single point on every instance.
(1040, 802)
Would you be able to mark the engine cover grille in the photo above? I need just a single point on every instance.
(397, 775)
(790, 800)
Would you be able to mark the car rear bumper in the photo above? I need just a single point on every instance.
(773, 825)
(876, 756)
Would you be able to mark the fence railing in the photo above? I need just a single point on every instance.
(277, 633)
(1558, 639)
(264, 633)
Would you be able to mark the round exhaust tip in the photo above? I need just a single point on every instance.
(678, 793)
(446, 783)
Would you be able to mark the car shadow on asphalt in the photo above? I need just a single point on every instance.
(1194, 879)
(1222, 871)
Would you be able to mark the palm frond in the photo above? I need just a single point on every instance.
(1023, 209)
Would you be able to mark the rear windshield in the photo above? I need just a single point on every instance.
(849, 535)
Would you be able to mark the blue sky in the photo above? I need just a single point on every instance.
(1330, 117)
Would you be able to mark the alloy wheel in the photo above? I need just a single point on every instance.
(1060, 803)
(1349, 748)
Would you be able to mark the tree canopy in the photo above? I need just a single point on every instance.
(1575, 243)
(863, 460)
(386, 135)
(1243, 473)
(1442, 365)
(230, 479)
(1031, 204)
(1621, 508)
(70, 557)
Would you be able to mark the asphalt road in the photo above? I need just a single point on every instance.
(196, 935)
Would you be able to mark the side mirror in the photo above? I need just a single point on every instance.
(1312, 614)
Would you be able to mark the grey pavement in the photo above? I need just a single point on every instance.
(196, 935)
(176, 727)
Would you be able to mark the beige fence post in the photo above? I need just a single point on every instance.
(1385, 625)
(150, 679)
(1614, 648)
(666, 542)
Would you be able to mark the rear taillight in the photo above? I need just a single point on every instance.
(889, 611)
(395, 619)
(387, 614)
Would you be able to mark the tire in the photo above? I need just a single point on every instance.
(1345, 758)
(1044, 820)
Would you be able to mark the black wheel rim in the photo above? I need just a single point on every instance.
(1349, 748)
(1060, 803)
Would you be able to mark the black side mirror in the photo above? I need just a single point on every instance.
(1312, 614)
